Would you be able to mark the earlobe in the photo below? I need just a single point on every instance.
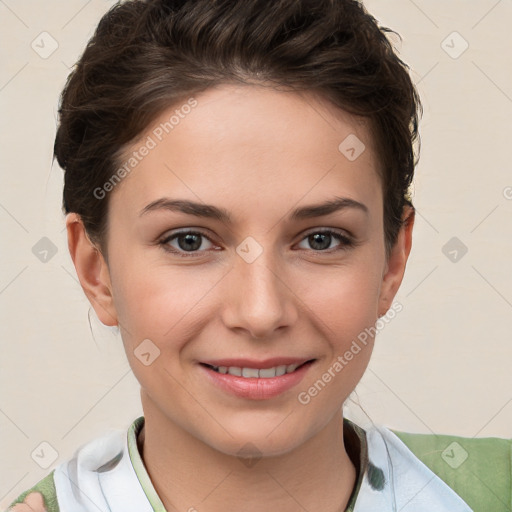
(91, 269)
(395, 267)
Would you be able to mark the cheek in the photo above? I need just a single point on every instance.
(344, 308)
(159, 301)
(344, 300)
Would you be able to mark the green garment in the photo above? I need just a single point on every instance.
(479, 470)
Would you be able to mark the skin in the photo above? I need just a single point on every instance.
(34, 502)
(258, 153)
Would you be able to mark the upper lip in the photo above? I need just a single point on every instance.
(252, 363)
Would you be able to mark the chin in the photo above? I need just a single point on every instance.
(256, 443)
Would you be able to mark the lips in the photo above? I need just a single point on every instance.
(257, 380)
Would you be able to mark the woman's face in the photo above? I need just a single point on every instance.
(249, 173)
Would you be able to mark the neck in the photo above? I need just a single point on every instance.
(189, 474)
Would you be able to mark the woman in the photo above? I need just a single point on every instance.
(211, 150)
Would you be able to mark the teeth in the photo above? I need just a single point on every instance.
(266, 372)
(263, 373)
(250, 372)
(281, 370)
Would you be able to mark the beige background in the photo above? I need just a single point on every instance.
(442, 365)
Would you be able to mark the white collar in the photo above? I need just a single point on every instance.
(108, 475)
(401, 482)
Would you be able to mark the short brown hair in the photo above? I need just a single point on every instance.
(147, 55)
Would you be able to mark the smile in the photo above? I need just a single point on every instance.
(257, 373)
(256, 383)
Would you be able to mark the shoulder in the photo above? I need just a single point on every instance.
(477, 469)
(41, 497)
(95, 465)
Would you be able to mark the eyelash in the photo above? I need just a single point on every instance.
(346, 242)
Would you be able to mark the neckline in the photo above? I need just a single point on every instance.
(354, 438)
(356, 446)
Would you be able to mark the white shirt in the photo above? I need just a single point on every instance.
(108, 475)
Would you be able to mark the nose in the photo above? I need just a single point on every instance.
(257, 298)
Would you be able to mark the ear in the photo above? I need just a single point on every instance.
(92, 270)
(395, 266)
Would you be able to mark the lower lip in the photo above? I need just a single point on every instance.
(256, 388)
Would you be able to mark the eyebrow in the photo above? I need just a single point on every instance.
(214, 212)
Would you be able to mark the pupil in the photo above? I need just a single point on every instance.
(317, 240)
(194, 242)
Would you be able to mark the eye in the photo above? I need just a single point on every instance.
(321, 241)
(191, 242)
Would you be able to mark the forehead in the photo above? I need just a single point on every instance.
(251, 145)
